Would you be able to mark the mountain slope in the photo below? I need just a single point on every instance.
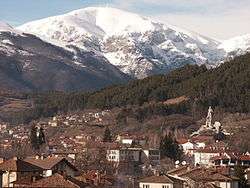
(136, 45)
(29, 63)
(193, 88)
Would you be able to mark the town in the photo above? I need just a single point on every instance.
(63, 151)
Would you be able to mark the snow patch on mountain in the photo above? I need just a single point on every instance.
(137, 45)
(241, 43)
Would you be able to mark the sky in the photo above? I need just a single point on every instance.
(218, 19)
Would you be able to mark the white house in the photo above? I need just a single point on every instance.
(156, 182)
(153, 155)
(204, 156)
(124, 154)
(187, 146)
(129, 139)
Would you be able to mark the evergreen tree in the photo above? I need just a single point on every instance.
(107, 137)
(170, 148)
(239, 173)
(37, 137)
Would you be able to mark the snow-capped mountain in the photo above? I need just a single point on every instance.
(137, 45)
(237, 45)
(29, 63)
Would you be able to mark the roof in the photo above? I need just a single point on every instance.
(18, 165)
(209, 185)
(157, 179)
(202, 138)
(207, 176)
(244, 157)
(178, 170)
(224, 156)
(209, 150)
(183, 140)
(48, 163)
(56, 181)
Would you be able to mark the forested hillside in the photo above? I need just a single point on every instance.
(226, 87)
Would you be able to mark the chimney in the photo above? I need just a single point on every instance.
(157, 173)
(15, 158)
(33, 178)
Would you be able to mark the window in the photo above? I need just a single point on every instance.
(165, 186)
(145, 186)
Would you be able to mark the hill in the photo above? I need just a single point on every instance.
(226, 87)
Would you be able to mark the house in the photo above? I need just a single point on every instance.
(151, 155)
(133, 154)
(200, 176)
(55, 181)
(188, 146)
(15, 169)
(130, 139)
(124, 154)
(244, 160)
(204, 156)
(71, 155)
(225, 159)
(94, 177)
(161, 181)
(52, 165)
(156, 182)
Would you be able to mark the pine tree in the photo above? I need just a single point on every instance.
(107, 137)
(37, 137)
(239, 173)
(170, 148)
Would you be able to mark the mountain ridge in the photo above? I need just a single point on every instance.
(137, 45)
(28, 63)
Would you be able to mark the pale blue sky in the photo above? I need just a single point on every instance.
(219, 19)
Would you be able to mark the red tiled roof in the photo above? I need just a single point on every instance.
(202, 138)
(225, 156)
(55, 181)
(18, 165)
(178, 170)
(208, 150)
(244, 157)
(157, 179)
(182, 140)
(48, 163)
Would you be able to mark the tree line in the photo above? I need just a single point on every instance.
(226, 87)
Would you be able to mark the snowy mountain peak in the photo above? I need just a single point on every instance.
(241, 43)
(92, 21)
(114, 21)
(137, 45)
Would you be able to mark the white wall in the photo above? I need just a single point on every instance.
(8, 178)
(203, 158)
(127, 141)
(123, 154)
(113, 155)
(156, 185)
(47, 173)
